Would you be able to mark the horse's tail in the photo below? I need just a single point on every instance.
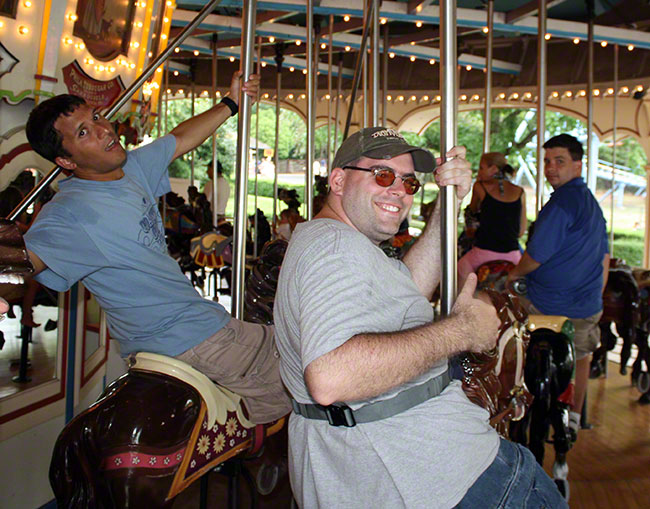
(75, 469)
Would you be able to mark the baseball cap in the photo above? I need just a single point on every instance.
(381, 143)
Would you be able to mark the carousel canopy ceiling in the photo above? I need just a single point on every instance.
(414, 39)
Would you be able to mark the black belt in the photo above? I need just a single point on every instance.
(343, 415)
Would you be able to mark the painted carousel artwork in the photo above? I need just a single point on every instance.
(105, 27)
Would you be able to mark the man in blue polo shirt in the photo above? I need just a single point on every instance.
(567, 259)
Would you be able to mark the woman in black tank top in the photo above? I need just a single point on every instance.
(501, 208)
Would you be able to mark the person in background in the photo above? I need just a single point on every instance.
(223, 189)
(501, 209)
(566, 262)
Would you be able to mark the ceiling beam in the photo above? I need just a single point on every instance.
(529, 9)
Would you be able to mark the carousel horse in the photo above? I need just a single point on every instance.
(548, 373)
(153, 432)
(626, 303)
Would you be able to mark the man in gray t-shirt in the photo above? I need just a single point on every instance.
(376, 420)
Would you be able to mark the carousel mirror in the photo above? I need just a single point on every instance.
(29, 352)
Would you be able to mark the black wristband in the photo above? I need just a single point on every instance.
(234, 109)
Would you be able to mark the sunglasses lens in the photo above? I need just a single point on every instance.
(384, 178)
(411, 185)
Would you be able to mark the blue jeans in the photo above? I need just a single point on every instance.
(513, 480)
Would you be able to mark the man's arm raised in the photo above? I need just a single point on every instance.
(194, 131)
(423, 258)
(371, 364)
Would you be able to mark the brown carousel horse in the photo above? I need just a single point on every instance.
(626, 303)
(549, 363)
(153, 431)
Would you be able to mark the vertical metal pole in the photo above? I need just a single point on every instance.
(329, 93)
(243, 143)
(591, 180)
(487, 116)
(276, 158)
(364, 86)
(541, 103)
(193, 153)
(215, 164)
(338, 105)
(166, 96)
(309, 171)
(448, 230)
(615, 117)
(374, 117)
(385, 79)
(357, 75)
(257, 143)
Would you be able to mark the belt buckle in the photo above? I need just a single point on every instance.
(340, 415)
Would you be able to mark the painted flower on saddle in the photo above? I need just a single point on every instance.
(231, 426)
(203, 444)
(219, 443)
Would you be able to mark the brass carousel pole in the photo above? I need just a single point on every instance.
(309, 171)
(541, 103)
(487, 116)
(448, 231)
(257, 144)
(241, 182)
(215, 164)
(276, 158)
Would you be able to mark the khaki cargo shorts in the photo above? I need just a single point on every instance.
(587, 331)
(244, 359)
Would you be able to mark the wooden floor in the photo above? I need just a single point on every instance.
(609, 466)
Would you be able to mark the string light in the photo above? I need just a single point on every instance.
(165, 19)
(391, 55)
(603, 44)
(438, 98)
(569, 94)
(630, 47)
(383, 21)
(476, 97)
(232, 59)
(177, 49)
(67, 40)
(463, 97)
(515, 96)
(302, 96)
(432, 61)
(610, 91)
(425, 98)
(486, 30)
(27, 3)
(323, 45)
(135, 44)
(469, 67)
(72, 16)
(291, 69)
(347, 48)
(413, 98)
(625, 90)
(271, 39)
(412, 58)
(346, 18)
(502, 95)
(304, 71)
(298, 42)
(528, 95)
(138, 24)
(576, 41)
(582, 93)
(263, 64)
(418, 24)
(163, 37)
(596, 92)
(547, 36)
(196, 52)
(290, 96)
(639, 88)
(23, 30)
(175, 73)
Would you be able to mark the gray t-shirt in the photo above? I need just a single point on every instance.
(335, 284)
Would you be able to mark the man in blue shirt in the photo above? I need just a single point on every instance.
(567, 260)
(103, 228)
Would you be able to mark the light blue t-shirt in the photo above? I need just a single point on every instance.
(110, 236)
